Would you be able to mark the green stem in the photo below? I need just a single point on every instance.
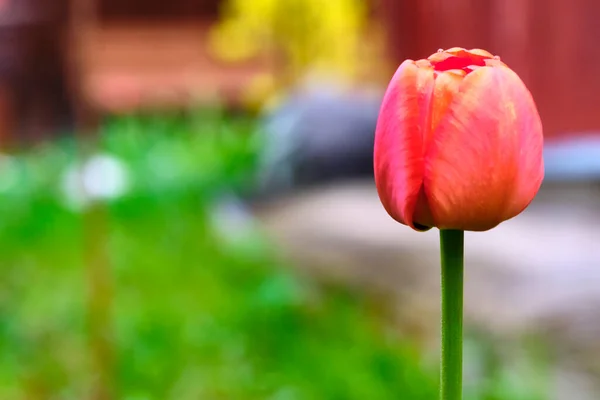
(452, 251)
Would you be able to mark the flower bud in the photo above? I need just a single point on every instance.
(458, 143)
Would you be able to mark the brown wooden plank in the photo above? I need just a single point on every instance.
(139, 65)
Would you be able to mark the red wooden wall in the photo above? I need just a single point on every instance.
(554, 45)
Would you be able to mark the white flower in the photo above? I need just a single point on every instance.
(102, 177)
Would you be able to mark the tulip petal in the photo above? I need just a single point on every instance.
(446, 86)
(484, 165)
(479, 52)
(531, 161)
(398, 153)
(458, 58)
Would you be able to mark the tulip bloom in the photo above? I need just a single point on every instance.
(458, 143)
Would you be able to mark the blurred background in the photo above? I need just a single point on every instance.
(187, 209)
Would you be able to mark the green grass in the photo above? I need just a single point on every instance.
(142, 296)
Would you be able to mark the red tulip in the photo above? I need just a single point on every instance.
(458, 143)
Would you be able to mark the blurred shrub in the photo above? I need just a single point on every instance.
(191, 316)
(302, 34)
(159, 157)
